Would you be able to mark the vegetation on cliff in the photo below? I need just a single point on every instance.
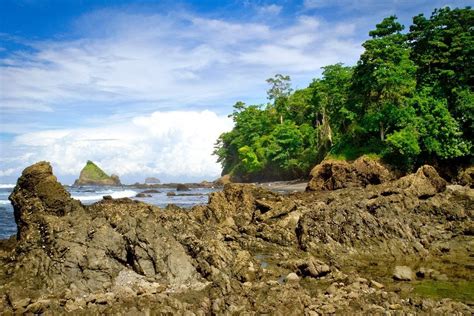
(91, 174)
(409, 99)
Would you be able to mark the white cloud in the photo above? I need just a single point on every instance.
(176, 144)
(271, 9)
(134, 64)
(185, 60)
(7, 172)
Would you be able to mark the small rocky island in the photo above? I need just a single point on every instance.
(91, 174)
(359, 241)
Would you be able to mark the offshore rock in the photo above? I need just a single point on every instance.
(91, 174)
(152, 180)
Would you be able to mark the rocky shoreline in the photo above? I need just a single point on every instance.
(392, 247)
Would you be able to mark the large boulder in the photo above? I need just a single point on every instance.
(64, 245)
(38, 193)
(91, 174)
(337, 174)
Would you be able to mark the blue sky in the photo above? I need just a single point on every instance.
(144, 87)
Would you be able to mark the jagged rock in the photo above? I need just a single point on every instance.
(91, 174)
(64, 244)
(466, 176)
(313, 268)
(382, 215)
(124, 256)
(403, 273)
(335, 174)
(38, 194)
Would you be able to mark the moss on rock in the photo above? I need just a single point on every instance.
(91, 174)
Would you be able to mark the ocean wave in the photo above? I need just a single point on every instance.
(4, 202)
(115, 195)
(7, 186)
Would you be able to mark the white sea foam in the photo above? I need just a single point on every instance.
(4, 202)
(6, 186)
(115, 195)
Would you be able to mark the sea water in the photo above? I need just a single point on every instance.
(91, 194)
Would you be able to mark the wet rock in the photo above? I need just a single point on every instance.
(151, 191)
(142, 195)
(182, 187)
(403, 273)
(171, 193)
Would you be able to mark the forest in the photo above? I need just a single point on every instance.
(408, 101)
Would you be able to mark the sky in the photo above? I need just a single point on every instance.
(144, 88)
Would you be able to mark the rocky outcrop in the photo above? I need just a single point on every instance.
(66, 247)
(182, 187)
(225, 179)
(152, 180)
(248, 251)
(91, 174)
(466, 176)
(338, 174)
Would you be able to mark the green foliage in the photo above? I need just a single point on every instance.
(443, 49)
(440, 134)
(408, 99)
(92, 172)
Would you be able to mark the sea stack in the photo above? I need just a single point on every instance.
(91, 174)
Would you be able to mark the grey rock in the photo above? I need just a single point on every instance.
(403, 273)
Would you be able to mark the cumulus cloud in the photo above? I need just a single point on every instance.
(107, 93)
(175, 144)
(180, 59)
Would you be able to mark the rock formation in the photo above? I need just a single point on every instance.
(249, 251)
(91, 174)
(152, 180)
(337, 174)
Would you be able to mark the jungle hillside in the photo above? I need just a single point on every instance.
(408, 101)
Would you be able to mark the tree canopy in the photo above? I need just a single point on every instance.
(409, 99)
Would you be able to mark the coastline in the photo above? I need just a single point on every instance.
(345, 250)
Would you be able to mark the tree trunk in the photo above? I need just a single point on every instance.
(382, 132)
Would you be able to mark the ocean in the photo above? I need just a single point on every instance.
(91, 194)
